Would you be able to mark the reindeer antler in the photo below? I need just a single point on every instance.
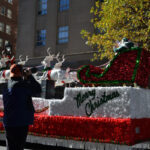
(48, 51)
(20, 58)
(3, 53)
(57, 56)
(21, 62)
(27, 58)
(59, 64)
(63, 58)
(47, 60)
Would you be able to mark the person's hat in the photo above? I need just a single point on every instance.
(16, 70)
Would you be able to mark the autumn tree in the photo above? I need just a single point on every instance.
(116, 19)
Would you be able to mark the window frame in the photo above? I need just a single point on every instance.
(41, 37)
(1, 12)
(9, 13)
(10, 1)
(64, 5)
(8, 30)
(6, 42)
(63, 34)
(1, 42)
(3, 26)
(42, 7)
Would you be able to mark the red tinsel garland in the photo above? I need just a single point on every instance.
(143, 72)
(110, 130)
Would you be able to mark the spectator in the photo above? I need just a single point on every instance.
(18, 106)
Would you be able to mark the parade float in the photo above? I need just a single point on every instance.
(111, 111)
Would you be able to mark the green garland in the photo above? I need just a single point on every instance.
(108, 67)
(137, 64)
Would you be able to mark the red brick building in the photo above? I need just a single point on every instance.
(8, 24)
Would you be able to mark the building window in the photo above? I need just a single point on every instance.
(1, 42)
(42, 8)
(1, 27)
(63, 5)
(6, 42)
(2, 11)
(63, 34)
(10, 1)
(8, 29)
(41, 38)
(9, 13)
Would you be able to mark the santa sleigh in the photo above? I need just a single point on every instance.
(128, 67)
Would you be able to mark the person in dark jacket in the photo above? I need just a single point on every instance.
(18, 106)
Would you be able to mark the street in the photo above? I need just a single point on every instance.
(3, 146)
(29, 146)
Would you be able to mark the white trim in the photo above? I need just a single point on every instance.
(79, 144)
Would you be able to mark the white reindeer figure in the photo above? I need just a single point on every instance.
(47, 64)
(4, 60)
(47, 60)
(5, 74)
(59, 64)
(21, 61)
(57, 73)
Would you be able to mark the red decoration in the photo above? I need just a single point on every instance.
(143, 72)
(49, 74)
(124, 69)
(3, 74)
(108, 130)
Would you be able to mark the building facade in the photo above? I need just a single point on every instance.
(56, 24)
(8, 24)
